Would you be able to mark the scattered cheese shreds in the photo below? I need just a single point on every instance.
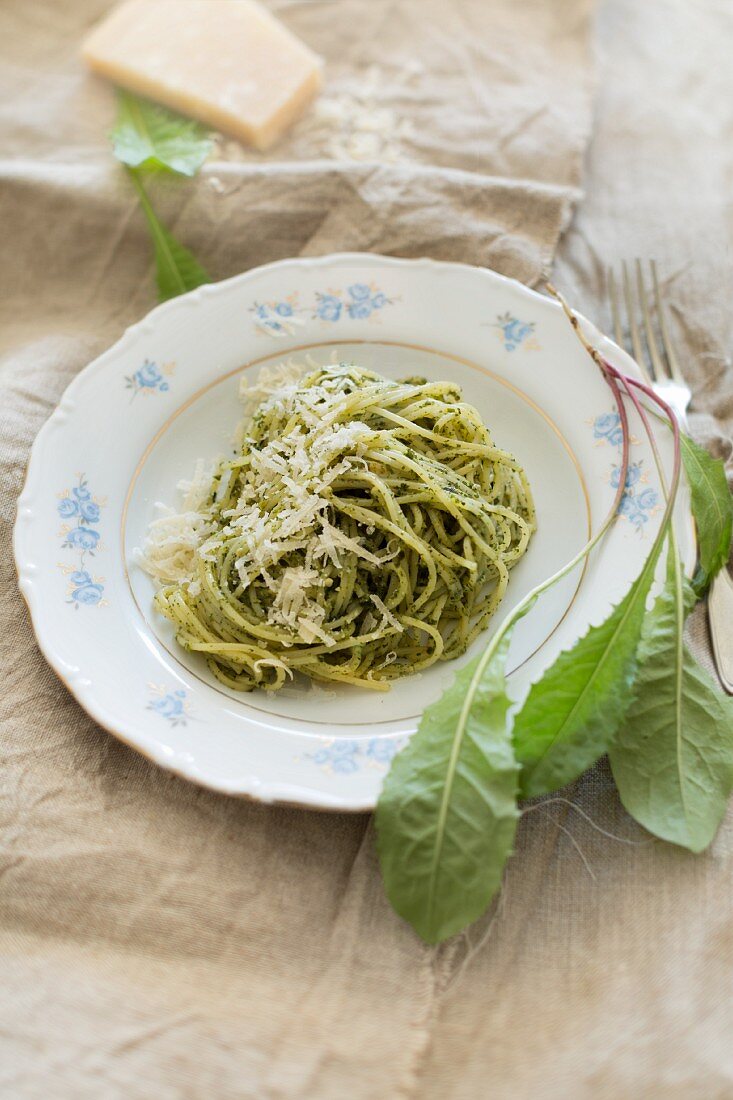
(386, 613)
(298, 469)
(270, 380)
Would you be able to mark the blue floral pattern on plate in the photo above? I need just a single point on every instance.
(149, 378)
(514, 333)
(81, 513)
(278, 317)
(639, 500)
(345, 756)
(357, 302)
(171, 705)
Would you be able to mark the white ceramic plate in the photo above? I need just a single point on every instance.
(131, 425)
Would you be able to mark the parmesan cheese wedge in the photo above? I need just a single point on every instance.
(228, 63)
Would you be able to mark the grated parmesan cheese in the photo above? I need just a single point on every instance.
(386, 614)
(270, 380)
(169, 551)
(298, 468)
(360, 116)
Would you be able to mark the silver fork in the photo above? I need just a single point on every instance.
(660, 366)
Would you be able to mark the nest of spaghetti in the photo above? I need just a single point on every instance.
(364, 530)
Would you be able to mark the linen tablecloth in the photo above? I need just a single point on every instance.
(160, 940)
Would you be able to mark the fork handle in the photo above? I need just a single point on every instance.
(720, 613)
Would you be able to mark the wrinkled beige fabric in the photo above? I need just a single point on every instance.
(159, 940)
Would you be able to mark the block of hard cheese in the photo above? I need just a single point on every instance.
(228, 63)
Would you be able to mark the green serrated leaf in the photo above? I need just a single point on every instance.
(177, 270)
(148, 136)
(572, 713)
(712, 507)
(447, 814)
(673, 758)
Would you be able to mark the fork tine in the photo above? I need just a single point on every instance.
(658, 367)
(669, 351)
(618, 333)
(631, 315)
